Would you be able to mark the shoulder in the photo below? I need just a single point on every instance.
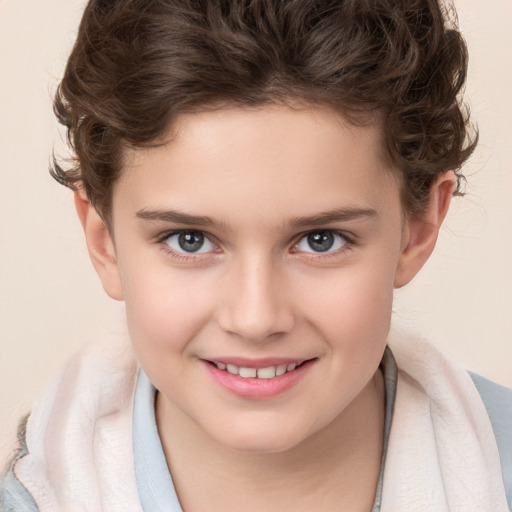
(14, 497)
(498, 402)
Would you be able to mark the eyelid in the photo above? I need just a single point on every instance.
(161, 237)
(161, 240)
(349, 243)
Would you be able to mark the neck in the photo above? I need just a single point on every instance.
(336, 468)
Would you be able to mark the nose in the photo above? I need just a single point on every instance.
(256, 306)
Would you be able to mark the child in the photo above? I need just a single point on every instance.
(254, 179)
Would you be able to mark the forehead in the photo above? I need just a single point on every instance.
(266, 162)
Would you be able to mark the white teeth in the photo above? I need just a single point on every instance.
(231, 368)
(267, 373)
(247, 373)
(280, 370)
(261, 373)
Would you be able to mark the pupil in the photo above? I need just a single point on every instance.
(321, 242)
(191, 241)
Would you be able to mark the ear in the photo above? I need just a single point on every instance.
(100, 245)
(422, 228)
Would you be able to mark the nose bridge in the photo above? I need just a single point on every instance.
(256, 305)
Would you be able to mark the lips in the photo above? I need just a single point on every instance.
(258, 380)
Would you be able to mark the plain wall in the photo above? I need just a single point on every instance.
(51, 301)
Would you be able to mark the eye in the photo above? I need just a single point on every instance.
(189, 242)
(321, 241)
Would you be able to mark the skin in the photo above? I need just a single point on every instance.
(257, 289)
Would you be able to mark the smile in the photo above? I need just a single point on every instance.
(258, 373)
(260, 380)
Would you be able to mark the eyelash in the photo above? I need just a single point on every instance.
(184, 257)
(348, 244)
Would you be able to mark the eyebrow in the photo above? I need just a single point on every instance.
(327, 217)
(331, 216)
(176, 217)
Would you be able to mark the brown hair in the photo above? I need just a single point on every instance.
(136, 64)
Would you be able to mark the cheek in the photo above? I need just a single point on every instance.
(165, 309)
(351, 309)
(352, 296)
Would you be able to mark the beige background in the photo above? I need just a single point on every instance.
(51, 301)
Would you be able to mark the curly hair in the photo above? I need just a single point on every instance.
(137, 64)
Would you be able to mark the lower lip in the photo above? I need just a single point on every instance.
(258, 389)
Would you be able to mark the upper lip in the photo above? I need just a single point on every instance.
(266, 362)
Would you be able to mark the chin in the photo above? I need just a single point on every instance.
(267, 439)
(261, 446)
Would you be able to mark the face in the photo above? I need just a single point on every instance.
(257, 253)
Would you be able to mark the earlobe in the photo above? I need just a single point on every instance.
(100, 246)
(422, 228)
